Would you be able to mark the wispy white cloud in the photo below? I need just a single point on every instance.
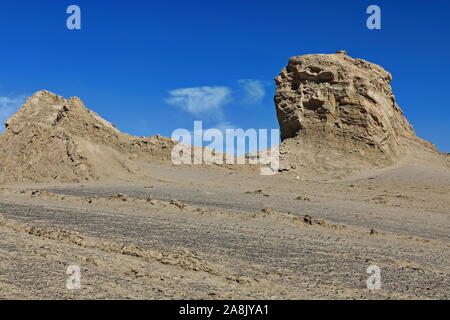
(253, 89)
(204, 102)
(9, 105)
(207, 103)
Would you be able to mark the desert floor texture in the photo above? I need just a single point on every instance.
(223, 233)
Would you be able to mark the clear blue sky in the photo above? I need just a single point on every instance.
(147, 65)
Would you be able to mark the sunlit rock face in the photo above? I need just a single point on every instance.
(334, 94)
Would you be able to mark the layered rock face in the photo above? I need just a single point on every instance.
(341, 105)
(53, 138)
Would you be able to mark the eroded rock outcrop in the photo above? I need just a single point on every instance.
(340, 112)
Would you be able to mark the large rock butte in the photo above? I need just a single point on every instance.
(337, 112)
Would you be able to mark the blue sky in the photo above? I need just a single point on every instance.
(154, 66)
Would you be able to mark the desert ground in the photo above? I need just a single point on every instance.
(222, 233)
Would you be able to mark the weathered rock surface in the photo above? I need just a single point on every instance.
(53, 138)
(340, 112)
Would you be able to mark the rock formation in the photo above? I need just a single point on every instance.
(337, 112)
(53, 138)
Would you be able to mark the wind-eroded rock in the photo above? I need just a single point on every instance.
(341, 113)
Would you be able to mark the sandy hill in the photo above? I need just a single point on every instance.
(53, 138)
(338, 114)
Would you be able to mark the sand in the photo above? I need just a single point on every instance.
(229, 234)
